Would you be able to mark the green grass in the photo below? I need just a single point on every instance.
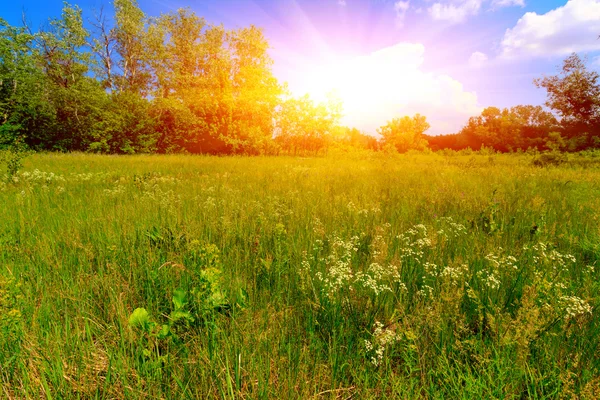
(367, 276)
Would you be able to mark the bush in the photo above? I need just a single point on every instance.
(12, 158)
(549, 159)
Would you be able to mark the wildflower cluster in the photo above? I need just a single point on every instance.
(382, 339)
(555, 295)
(454, 274)
(377, 278)
(451, 229)
(544, 256)
(489, 279)
(116, 191)
(339, 265)
(341, 277)
(434, 275)
(414, 242)
(276, 208)
(165, 199)
(317, 227)
(38, 176)
(369, 211)
(378, 246)
(501, 262)
(497, 266)
(574, 306)
(88, 176)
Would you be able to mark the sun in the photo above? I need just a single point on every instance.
(369, 87)
(386, 84)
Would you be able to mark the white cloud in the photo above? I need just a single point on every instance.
(573, 27)
(507, 3)
(390, 83)
(401, 7)
(342, 3)
(477, 59)
(455, 11)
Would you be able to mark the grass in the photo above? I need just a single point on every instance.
(365, 276)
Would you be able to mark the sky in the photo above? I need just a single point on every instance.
(445, 59)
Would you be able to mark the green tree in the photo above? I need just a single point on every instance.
(574, 94)
(405, 133)
(190, 62)
(219, 83)
(103, 46)
(77, 100)
(130, 36)
(23, 109)
(127, 126)
(519, 127)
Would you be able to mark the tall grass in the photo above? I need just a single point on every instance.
(417, 276)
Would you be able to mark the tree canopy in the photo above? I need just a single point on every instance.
(405, 133)
(172, 83)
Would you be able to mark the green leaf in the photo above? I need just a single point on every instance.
(165, 332)
(179, 315)
(179, 299)
(139, 318)
(217, 300)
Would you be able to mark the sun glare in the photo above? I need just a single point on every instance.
(374, 86)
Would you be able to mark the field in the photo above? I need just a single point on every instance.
(357, 276)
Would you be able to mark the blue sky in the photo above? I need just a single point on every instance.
(446, 59)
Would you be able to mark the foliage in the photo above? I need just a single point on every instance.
(215, 91)
(75, 101)
(13, 157)
(353, 138)
(303, 126)
(519, 127)
(127, 126)
(172, 83)
(405, 133)
(574, 95)
(176, 83)
(23, 110)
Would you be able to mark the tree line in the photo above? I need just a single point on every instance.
(573, 124)
(147, 84)
(175, 83)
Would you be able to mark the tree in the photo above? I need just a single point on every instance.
(103, 45)
(347, 137)
(574, 94)
(22, 106)
(519, 127)
(76, 99)
(214, 89)
(305, 127)
(129, 36)
(127, 126)
(255, 92)
(405, 133)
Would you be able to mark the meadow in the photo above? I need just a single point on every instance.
(348, 276)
